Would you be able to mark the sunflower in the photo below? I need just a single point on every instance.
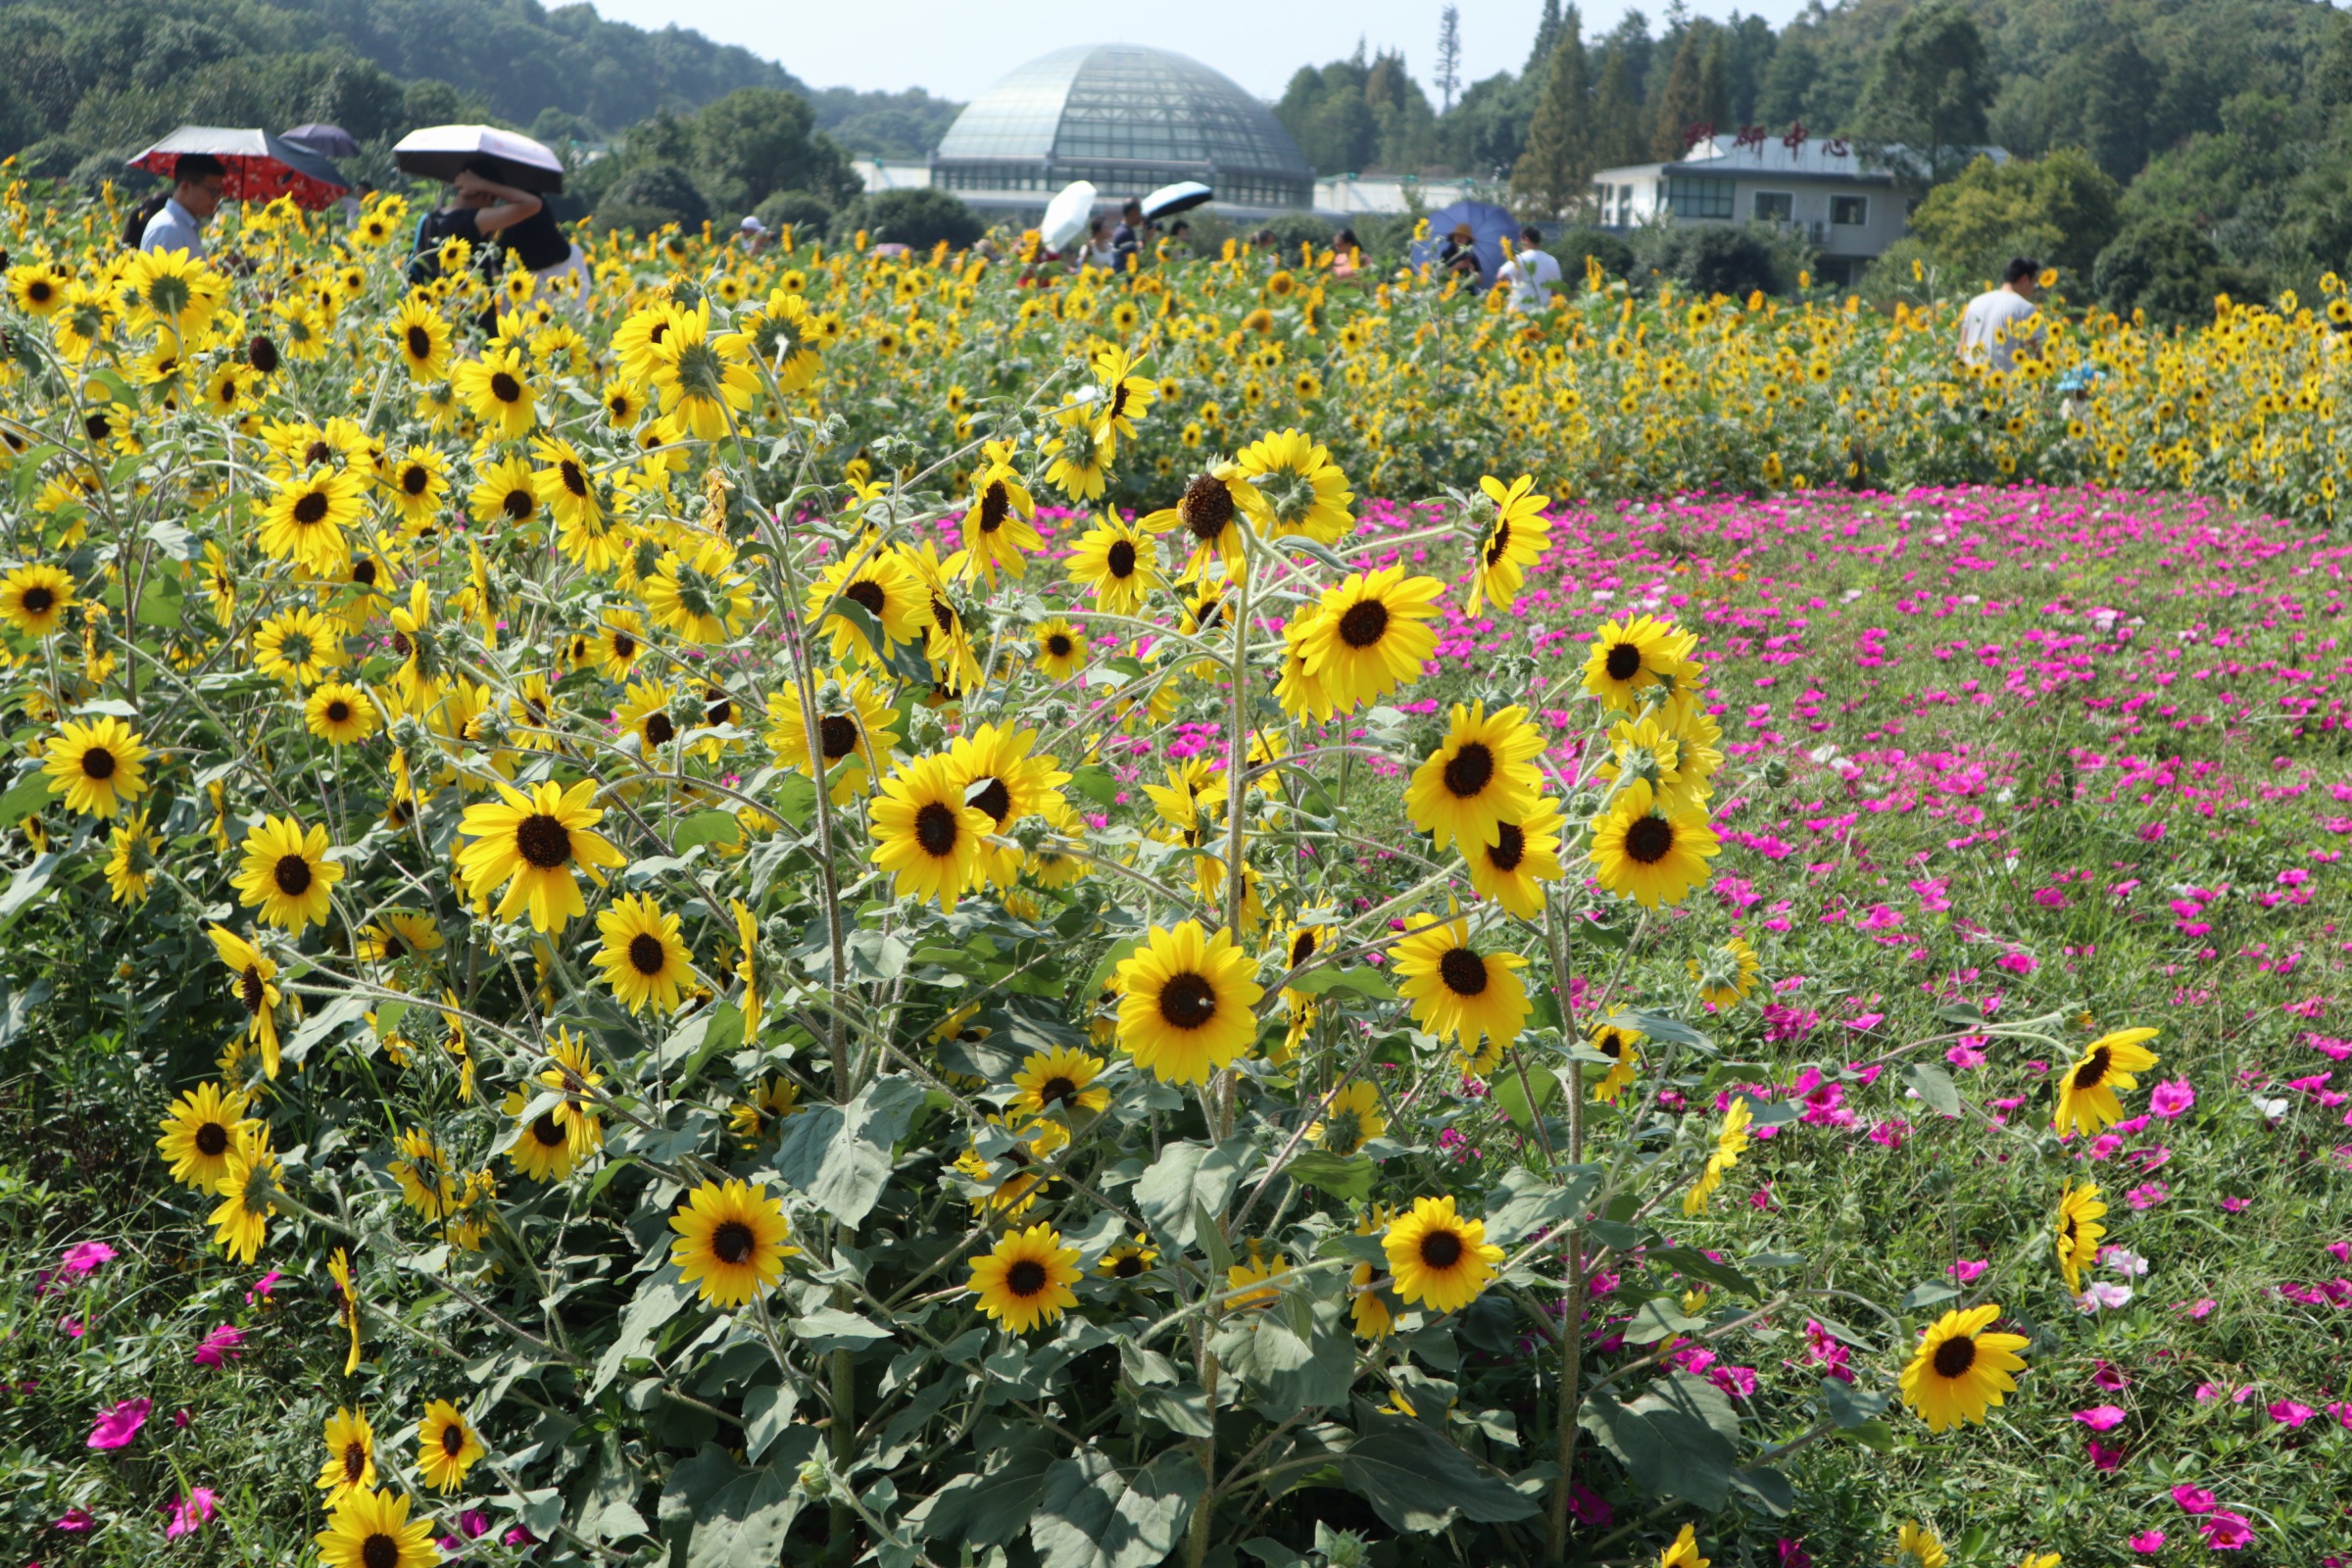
(1114, 562)
(422, 336)
(1917, 1547)
(698, 596)
(306, 515)
(1727, 974)
(446, 1447)
(1622, 1046)
(254, 971)
(1129, 1260)
(530, 845)
(643, 958)
(1254, 1269)
(34, 599)
(731, 1242)
(1082, 455)
(1209, 513)
(783, 337)
(1369, 637)
(373, 1530)
(702, 380)
(1298, 692)
(1525, 854)
(422, 1171)
(287, 873)
(203, 1127)
(1060, 649)
(2086, 1094)
(418, 482)
(1060, 1079)
(997, 531)
(1439, 1258)
(1124, 396)
(2079, 1231)
(1629, 658)
(770, 1101)
(1483, 773)
(248, 1188)
(1731, 1142)
(1185, 1003)
(1458, 993)
(1959, 1369)
(340, 714)
(1514, 541)
(619, 641)
(1651, 853)
(1025, 1280)
(1682, 1552)
(1289, 485)
(566, 487)
(925, 835)
(347, 1299)
(38, 288)
(297, 646)
(350, 1455)
(855, 726)
(541, 1147)
(134, 851)
(498, 389)
(1352, 1120)
(998, 774)
(97, 766)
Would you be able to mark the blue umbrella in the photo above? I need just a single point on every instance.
(1491, 229)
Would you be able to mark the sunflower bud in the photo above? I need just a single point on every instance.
(813, 1479)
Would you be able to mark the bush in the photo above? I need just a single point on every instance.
(651, 195)
(1712, 260)
(1572, 245)
(806, 211)
(915, 218)
(2165, 267)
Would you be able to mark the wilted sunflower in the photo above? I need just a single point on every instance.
(1731, 1142)
(2079, 1231)
(339, 713)
(286, 872)
(1514, 541)
(1208, 518)
(1370, 636)
(1061, 1079)
(1960, 1369)
(350, 1455)
(34, 599)
(1481, 773)
(446, 1447)
(203, 1127)
(1025, 1280)
(643, 957)
(373, 1530)
(925, 835)
(1439, 1258)
(730, 1240)
(1114, 563)
(2086, 1094)
(1457, 992)
(530, 845)
(99, 768)
(1651, 853)
(1185, 1002)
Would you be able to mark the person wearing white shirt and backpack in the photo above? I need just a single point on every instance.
(1999, 322)
(1533, 273)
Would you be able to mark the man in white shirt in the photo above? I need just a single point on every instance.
(1532, 274)
(197, 180)
(2000, 321)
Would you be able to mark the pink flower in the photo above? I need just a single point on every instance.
(2194, 1499)
(1793, 1553)
(2199, 1309)
(2287, 1413)
(2101, 1417)
(2147, 1543)
(218, 1346)
(2111, 1377)
(2102, 1457)
(2169, 1100)
(83, 1256)
(1966, 1270)
(2105, 1294)
(262, 1288)
(75, 1521)
(2148, 1196)
(1587, 1507)
(190, 1513)
(119, 1426)
(2225, 1531)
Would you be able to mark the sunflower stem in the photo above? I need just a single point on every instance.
(1572, 1318)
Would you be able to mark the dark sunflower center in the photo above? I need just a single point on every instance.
(867, 592)
(1612, 1044)
(646, 956)
(212, 1140)
(354, 1461)
(543, 841)
(1056, 1091)
(1508, 849)
(1128, 1266)
(251, 990)
(1119, 559)
(37, 601)
(97, 763)
(415, 478)
(453, 1440)
(338, 712)
(505, 387)
(1060, 645)
(1207, 507)
(292, 875)
(1624, 661)
(315, 452)
(936, 830)
(1498, 543)
(1303, 947)
(1363, 623)
(996, 799)
(994, 502)
(625, 646)
(1187, 1001)
(943, 614)
(97, 427)
(1463, 971)
(1025, 1278)
(1469, 770)
(421, 343)
(311, 508)
(1955, 1356)
(519, 505)
(659, 730)
(362, 572)
(548, 1131)
(2093, 1070)
(1649, 840)
(380, 1550)
(838, 735)
(732, 1242)
(1440, 1249)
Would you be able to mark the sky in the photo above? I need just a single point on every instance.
(956, 48)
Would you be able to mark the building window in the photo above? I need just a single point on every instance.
(1851, 211)
(1775, 207)
(1693, 196)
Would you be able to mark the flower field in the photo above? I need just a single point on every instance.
(847, 908)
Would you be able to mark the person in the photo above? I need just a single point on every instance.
(2000, 321)
(177, 224)
(1128, 238)
(1459, 253)
(1097, 251)
(1532, 274)
(480, 210)
(752, 235)
(1181, 230)
(1346, 258)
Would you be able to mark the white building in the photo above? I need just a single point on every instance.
(1820, 187)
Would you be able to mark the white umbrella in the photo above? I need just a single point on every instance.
(1067, 215)
(1181, 197)
(438, 151)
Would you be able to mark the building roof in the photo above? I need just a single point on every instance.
(1829, 159)
(1118, 102)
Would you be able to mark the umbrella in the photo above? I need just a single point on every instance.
(260, 166)
(1491, 229)
(1181, 197)
(333, 141)
(1066, 215)
(438, 151)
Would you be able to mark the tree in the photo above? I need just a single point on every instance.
(651, 195)
(2062, 210)
(1923, 109)
(2165, 267)
(757, 140)
(1683, 103)
(1449, 55)
(1618, 134)
(918, 218)
(1556, 171)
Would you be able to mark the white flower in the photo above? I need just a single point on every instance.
(2105, 1294)
(2123, 1260)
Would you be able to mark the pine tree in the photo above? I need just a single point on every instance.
(1619, 134)
(1684, 101)
(1449, 55)
(1548, 38)
(1556, 173)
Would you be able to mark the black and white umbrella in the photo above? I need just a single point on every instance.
(1181, 197)
(440, 151)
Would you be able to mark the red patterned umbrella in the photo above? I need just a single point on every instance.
(261, 167)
